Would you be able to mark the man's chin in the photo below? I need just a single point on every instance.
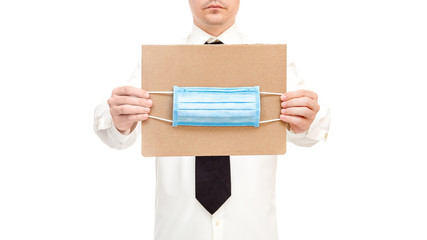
(215, 20)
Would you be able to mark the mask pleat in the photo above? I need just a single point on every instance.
(197, 106)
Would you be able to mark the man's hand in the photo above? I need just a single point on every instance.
(299, 108)
(128, 105)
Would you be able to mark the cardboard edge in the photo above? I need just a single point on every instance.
(142, 131)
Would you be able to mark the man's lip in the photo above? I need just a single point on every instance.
(214, 6)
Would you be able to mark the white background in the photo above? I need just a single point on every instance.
(59, 59)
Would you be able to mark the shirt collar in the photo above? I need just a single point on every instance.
(230, 36)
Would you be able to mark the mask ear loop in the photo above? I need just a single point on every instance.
(159, 118)
(169, 92)
(270, 93)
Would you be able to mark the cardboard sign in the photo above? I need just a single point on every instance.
(165, 66)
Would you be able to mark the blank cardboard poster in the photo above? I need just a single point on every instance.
(165, 66)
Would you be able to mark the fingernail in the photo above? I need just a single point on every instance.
(283, 97)
(283, 111)
(283, 104)
(149, 102)
(147, 95)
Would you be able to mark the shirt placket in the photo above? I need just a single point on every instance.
(218, 225)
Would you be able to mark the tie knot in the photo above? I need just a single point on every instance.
(213, 41)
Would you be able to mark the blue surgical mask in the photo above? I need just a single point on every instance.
(214, 106)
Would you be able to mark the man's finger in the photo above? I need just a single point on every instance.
(298, 124)
(301, 102)
(299, 94)
(298, 111)
(130, 91)
(129, 109)
(127, 100)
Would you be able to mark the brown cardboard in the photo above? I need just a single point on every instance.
(165, 66)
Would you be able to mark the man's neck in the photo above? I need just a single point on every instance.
(215, 30)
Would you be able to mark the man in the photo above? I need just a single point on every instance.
(249, 213)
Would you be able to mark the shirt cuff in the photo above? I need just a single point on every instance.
(105, 122)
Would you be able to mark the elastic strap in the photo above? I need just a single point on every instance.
(169, 92)
(167, 120)
(158, 118)
(271, 93)
(272, 120)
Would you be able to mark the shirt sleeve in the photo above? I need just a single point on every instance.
(319, 128)
(103, 124)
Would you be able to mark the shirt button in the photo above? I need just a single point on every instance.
(217, 223)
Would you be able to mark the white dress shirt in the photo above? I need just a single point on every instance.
(250, 212)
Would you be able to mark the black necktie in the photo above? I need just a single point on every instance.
(217, 41)
(213, 178)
